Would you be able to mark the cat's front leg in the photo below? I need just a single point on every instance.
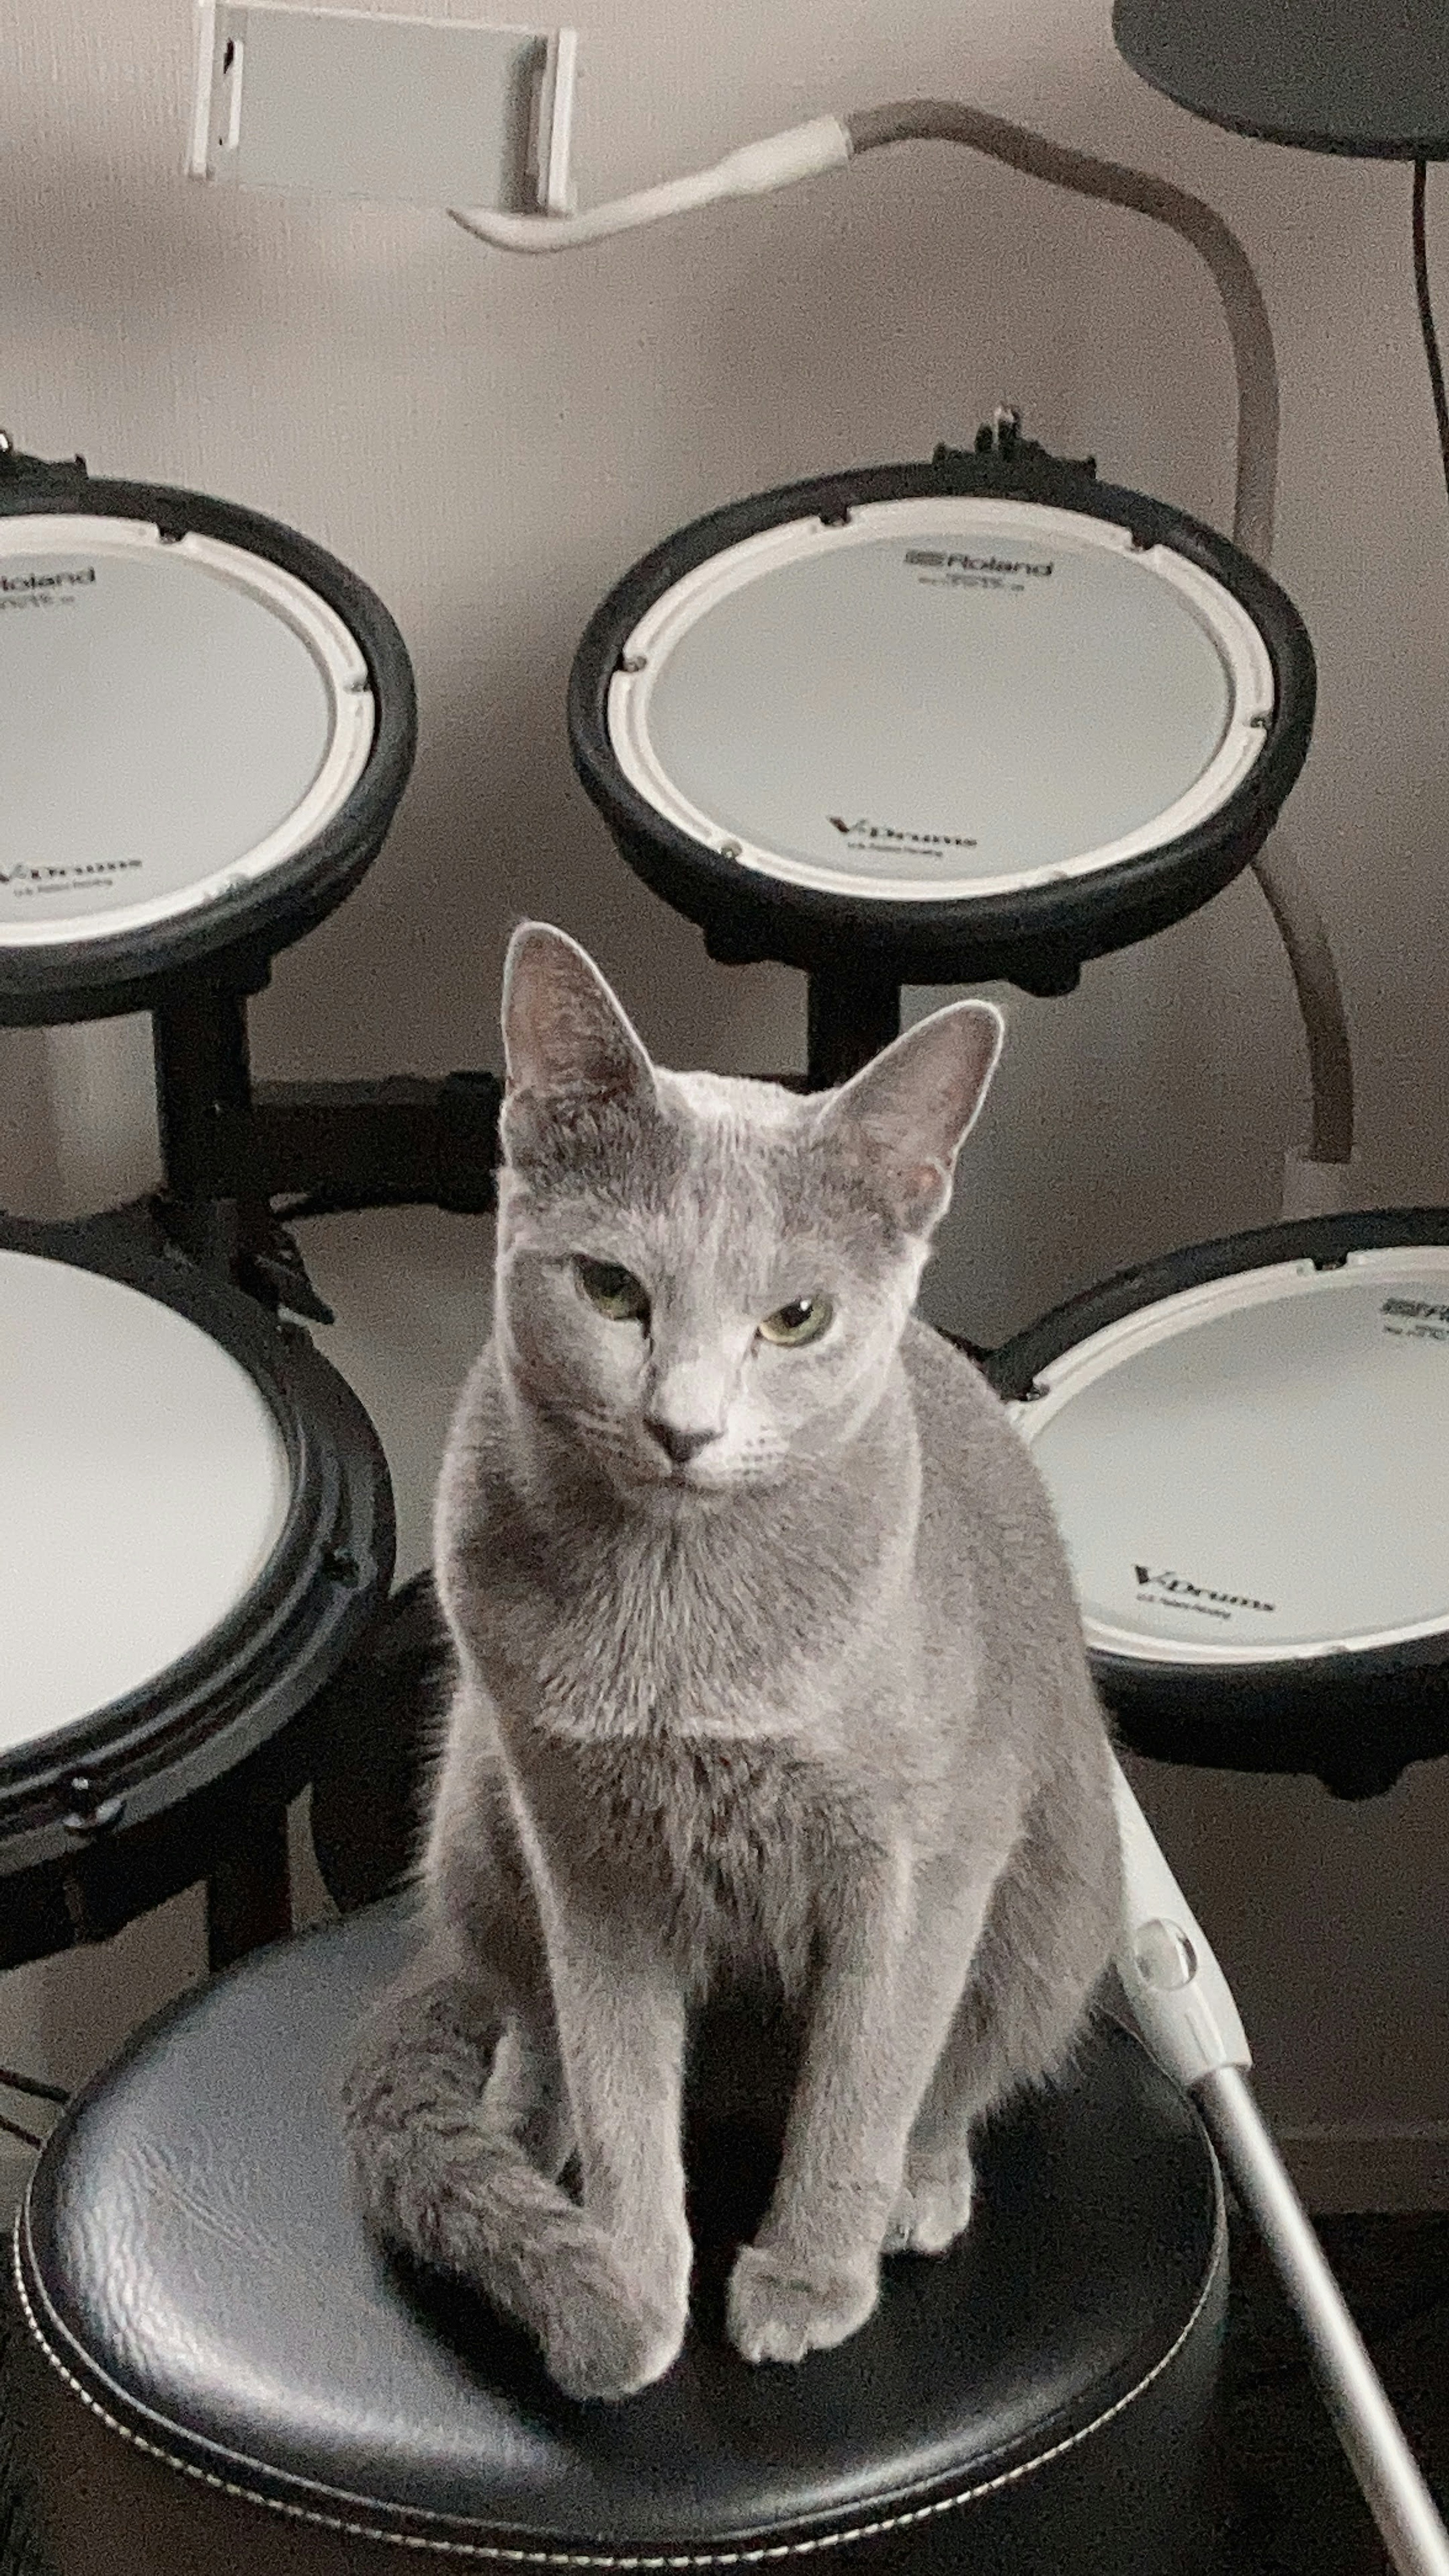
(526, 2094)
(890, 1981)
(621, 2021)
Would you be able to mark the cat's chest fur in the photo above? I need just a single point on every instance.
(599, 1627)
(726, 1853)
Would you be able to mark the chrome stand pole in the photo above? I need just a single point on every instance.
(1185, 2010)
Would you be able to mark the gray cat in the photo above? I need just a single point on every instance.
(769, 1670)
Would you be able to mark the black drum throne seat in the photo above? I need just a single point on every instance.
(222, 2373)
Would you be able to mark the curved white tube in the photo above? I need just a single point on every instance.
(801, 152)
(1314, 1189)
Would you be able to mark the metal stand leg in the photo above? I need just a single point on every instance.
(203, 1070)
(203, 1097)
(1186, 2013)
(249, 1894)
(853, 1012)
(1365, 2422)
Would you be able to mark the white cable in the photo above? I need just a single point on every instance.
(1313, 1189)
(801, 152)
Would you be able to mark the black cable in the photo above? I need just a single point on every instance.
(10, 2082)
(1426, 316)
(13, 2129)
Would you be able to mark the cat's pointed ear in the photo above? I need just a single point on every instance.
(905, 1116)
(565, 1036)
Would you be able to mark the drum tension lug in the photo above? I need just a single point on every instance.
(15, 464)
(278, 1266)
(91, 1811)
(1354, 1780)
(243, 1240)
(730, 946)
(1046, 978)
(1002, 440)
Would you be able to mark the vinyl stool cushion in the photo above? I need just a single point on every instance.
(222, 2371)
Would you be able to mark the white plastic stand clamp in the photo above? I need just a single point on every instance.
(1180, 1999)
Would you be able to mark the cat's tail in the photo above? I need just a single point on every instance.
(447, 2181)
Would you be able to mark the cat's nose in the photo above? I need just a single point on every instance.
(679, 1445)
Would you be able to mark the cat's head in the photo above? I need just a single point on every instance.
(702, 1281)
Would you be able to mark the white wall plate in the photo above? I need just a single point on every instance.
(427, 111)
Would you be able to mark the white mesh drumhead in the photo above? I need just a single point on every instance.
(143, 1487)
(941, 698)
(1259, 1467)
(175, 722)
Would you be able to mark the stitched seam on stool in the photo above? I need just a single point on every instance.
(624, 2561)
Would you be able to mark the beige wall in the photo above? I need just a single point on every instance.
(491, 444)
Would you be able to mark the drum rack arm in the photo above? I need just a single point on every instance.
(1185, 2011)
(230, 1147)
(421, 1140)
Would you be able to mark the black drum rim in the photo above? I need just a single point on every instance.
(1326, 1241)
(232, 938)
(1351, 1715)
(257, 1668)
(1046, 930)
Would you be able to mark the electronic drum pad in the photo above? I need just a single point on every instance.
(205, 725)
(971, 718)
(199, 1527)
(1247, 1445)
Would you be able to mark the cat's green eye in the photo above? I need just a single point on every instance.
(803, 1320)
(613, 1289)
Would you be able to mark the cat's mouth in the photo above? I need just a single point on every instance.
(642, 1471)
(654, 1476)
(689, 1478)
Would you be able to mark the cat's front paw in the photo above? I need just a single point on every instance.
(933, 2206)
(605, 2341)
(780, 2308)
